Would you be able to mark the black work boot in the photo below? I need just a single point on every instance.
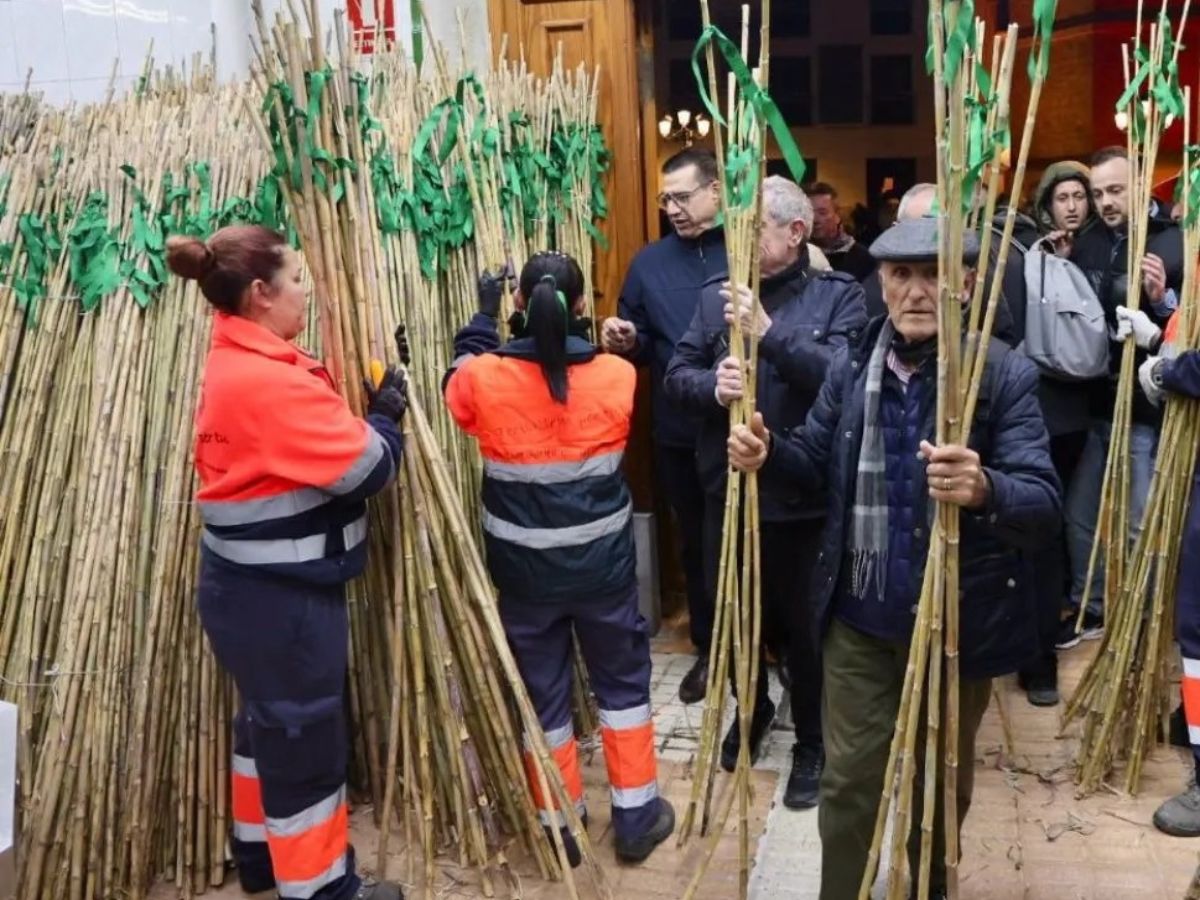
(379, 890)
(1041, 688)
(637, 849)
(574, 857)
(759, 726)
(695, 683)
(804, 782)
(1178, 730)
(1180, 815)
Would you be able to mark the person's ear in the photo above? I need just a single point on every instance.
(797, 233)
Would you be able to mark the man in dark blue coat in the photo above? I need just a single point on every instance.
(658, 300)
(805, 316)
(867, 440)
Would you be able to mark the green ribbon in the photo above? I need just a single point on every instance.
(1043, 31)
(1192, 188)
(41, 245)
(94, 252)
(367, 123)
(418, 34)
(757, 98)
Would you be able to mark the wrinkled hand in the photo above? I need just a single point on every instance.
(754, 321)
(491, 289)
(748, 447)
(618, 335)
(1146, 373)
(1154, 277)
(390, 398)
(402, 344)
(955, 475)
(1135, 322)
(1062, 241)
(731, 382)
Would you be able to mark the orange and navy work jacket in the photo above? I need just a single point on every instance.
(557, 516)
(285, 467)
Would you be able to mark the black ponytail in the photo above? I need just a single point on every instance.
(551, 283)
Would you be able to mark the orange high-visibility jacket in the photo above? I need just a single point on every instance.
(557, 517)
(285, 467)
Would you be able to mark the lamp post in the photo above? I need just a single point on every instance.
(682, 126)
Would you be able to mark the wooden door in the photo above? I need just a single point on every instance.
(595, 33)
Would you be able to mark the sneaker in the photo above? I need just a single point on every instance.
(379, 890)
(805, 780)
(695, 683)
(636, 850)
(1040, 689)
(1093, 629)
(1180, 816)
(1178, 729)
(759, 726)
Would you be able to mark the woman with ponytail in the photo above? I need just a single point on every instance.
(285, 470)
(552, 418)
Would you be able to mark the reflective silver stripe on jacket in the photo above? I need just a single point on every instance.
(632, 798)
(249, 834)
(550, 818)
(282, 551)
(623, 719)
(244, 766)
(224, 513)
(552, 538)
(308, 819)
(553, 473)
(303, 890)
(375, 450)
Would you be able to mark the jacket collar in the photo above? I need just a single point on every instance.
(240, 332)
(712, 237)
(578, 350)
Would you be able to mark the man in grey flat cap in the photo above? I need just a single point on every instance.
(868, 441)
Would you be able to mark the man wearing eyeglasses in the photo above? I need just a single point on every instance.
(660, 295)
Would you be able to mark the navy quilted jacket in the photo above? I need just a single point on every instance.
(997, 601)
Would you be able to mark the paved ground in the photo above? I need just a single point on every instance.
(1027, 837)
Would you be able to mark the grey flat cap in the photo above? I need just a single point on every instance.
(916, 240)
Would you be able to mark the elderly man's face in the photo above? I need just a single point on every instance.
(910, 291)
(779, 244)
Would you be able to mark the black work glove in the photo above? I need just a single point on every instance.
(390, 399)
(491, 290)
(402, 344)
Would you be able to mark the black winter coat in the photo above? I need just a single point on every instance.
(812, 314)
(1024, 513)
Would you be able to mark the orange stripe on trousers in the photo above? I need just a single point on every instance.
(629, 755)
(302, 857)
(566, 758)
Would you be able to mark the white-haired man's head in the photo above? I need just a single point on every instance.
(917, 201)
(787, 223)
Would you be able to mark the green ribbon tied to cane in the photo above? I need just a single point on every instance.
(41, 245)
(755, 96)
(1043, 33)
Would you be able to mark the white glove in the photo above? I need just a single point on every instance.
(1152, 390)
(1134, 321)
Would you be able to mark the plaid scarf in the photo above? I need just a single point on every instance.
(869, 519)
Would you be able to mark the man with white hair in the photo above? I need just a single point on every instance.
(806, 315)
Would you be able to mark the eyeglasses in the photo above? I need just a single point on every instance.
(679, 198)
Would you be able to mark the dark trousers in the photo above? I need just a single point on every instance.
(616, 648)
(675, 471)
(864, 677)
(1052, 565)
(789, 553)
(285, 645)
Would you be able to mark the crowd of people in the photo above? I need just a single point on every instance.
(843, 440)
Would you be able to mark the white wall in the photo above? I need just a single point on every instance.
(71, 44)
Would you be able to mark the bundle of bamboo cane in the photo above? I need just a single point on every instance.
(966, 94)
(1123, 697)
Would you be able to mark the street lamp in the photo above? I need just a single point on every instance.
(682, 126)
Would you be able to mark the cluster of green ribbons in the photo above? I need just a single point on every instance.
(1161, 82)
(101, 261)
(743, 161)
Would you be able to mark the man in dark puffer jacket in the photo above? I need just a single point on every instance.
(805, 317)
(867, 439)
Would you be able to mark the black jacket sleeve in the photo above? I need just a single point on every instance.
(631, 306)
(1025, 507)
(1182, 374)
(691, 380)
(480, 335)
(802, 359)
(803, 454)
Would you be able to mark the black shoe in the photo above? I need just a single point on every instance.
(804, 782)
(695, 683)
(574, 857)
(759, 726)
(1093, 629)
(1178, 730)
(1180, 815)
(636, 850)
(1041, 689)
